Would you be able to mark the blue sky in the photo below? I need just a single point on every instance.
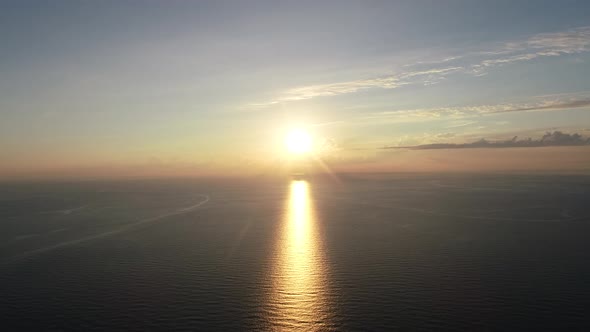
(91, 84)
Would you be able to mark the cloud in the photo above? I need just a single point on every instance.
(424, 77)
(556, 138)
(387, 82)
(445, 135)
(476, 63)
(324, 124)
(555, 105)
(572, 41)
(541, 103)
(461, 124)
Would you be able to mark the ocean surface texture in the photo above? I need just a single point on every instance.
(412, 252)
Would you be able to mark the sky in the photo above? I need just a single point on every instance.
(150, 88)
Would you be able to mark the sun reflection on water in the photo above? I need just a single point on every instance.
(299, 298)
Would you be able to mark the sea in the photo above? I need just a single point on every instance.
(354, 252)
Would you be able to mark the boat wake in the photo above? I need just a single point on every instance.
(122, 229)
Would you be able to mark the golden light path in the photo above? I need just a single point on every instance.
(299, 298)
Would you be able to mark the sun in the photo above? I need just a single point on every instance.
(298, 141)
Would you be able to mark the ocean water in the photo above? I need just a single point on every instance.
(352, 253)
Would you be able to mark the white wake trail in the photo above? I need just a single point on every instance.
(119, 230)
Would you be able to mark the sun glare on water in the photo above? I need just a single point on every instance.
(298, 142)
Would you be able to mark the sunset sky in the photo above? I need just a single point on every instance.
(124, 88)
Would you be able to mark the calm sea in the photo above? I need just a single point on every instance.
(382, 252)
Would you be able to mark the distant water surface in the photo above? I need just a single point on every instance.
(382, 252)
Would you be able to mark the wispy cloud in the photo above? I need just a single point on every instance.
(476, 63)
(388, 82)
(556, 138)
(554, 105)
(542, 103)
(324, 124)
(542, 45)
(426, 77)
